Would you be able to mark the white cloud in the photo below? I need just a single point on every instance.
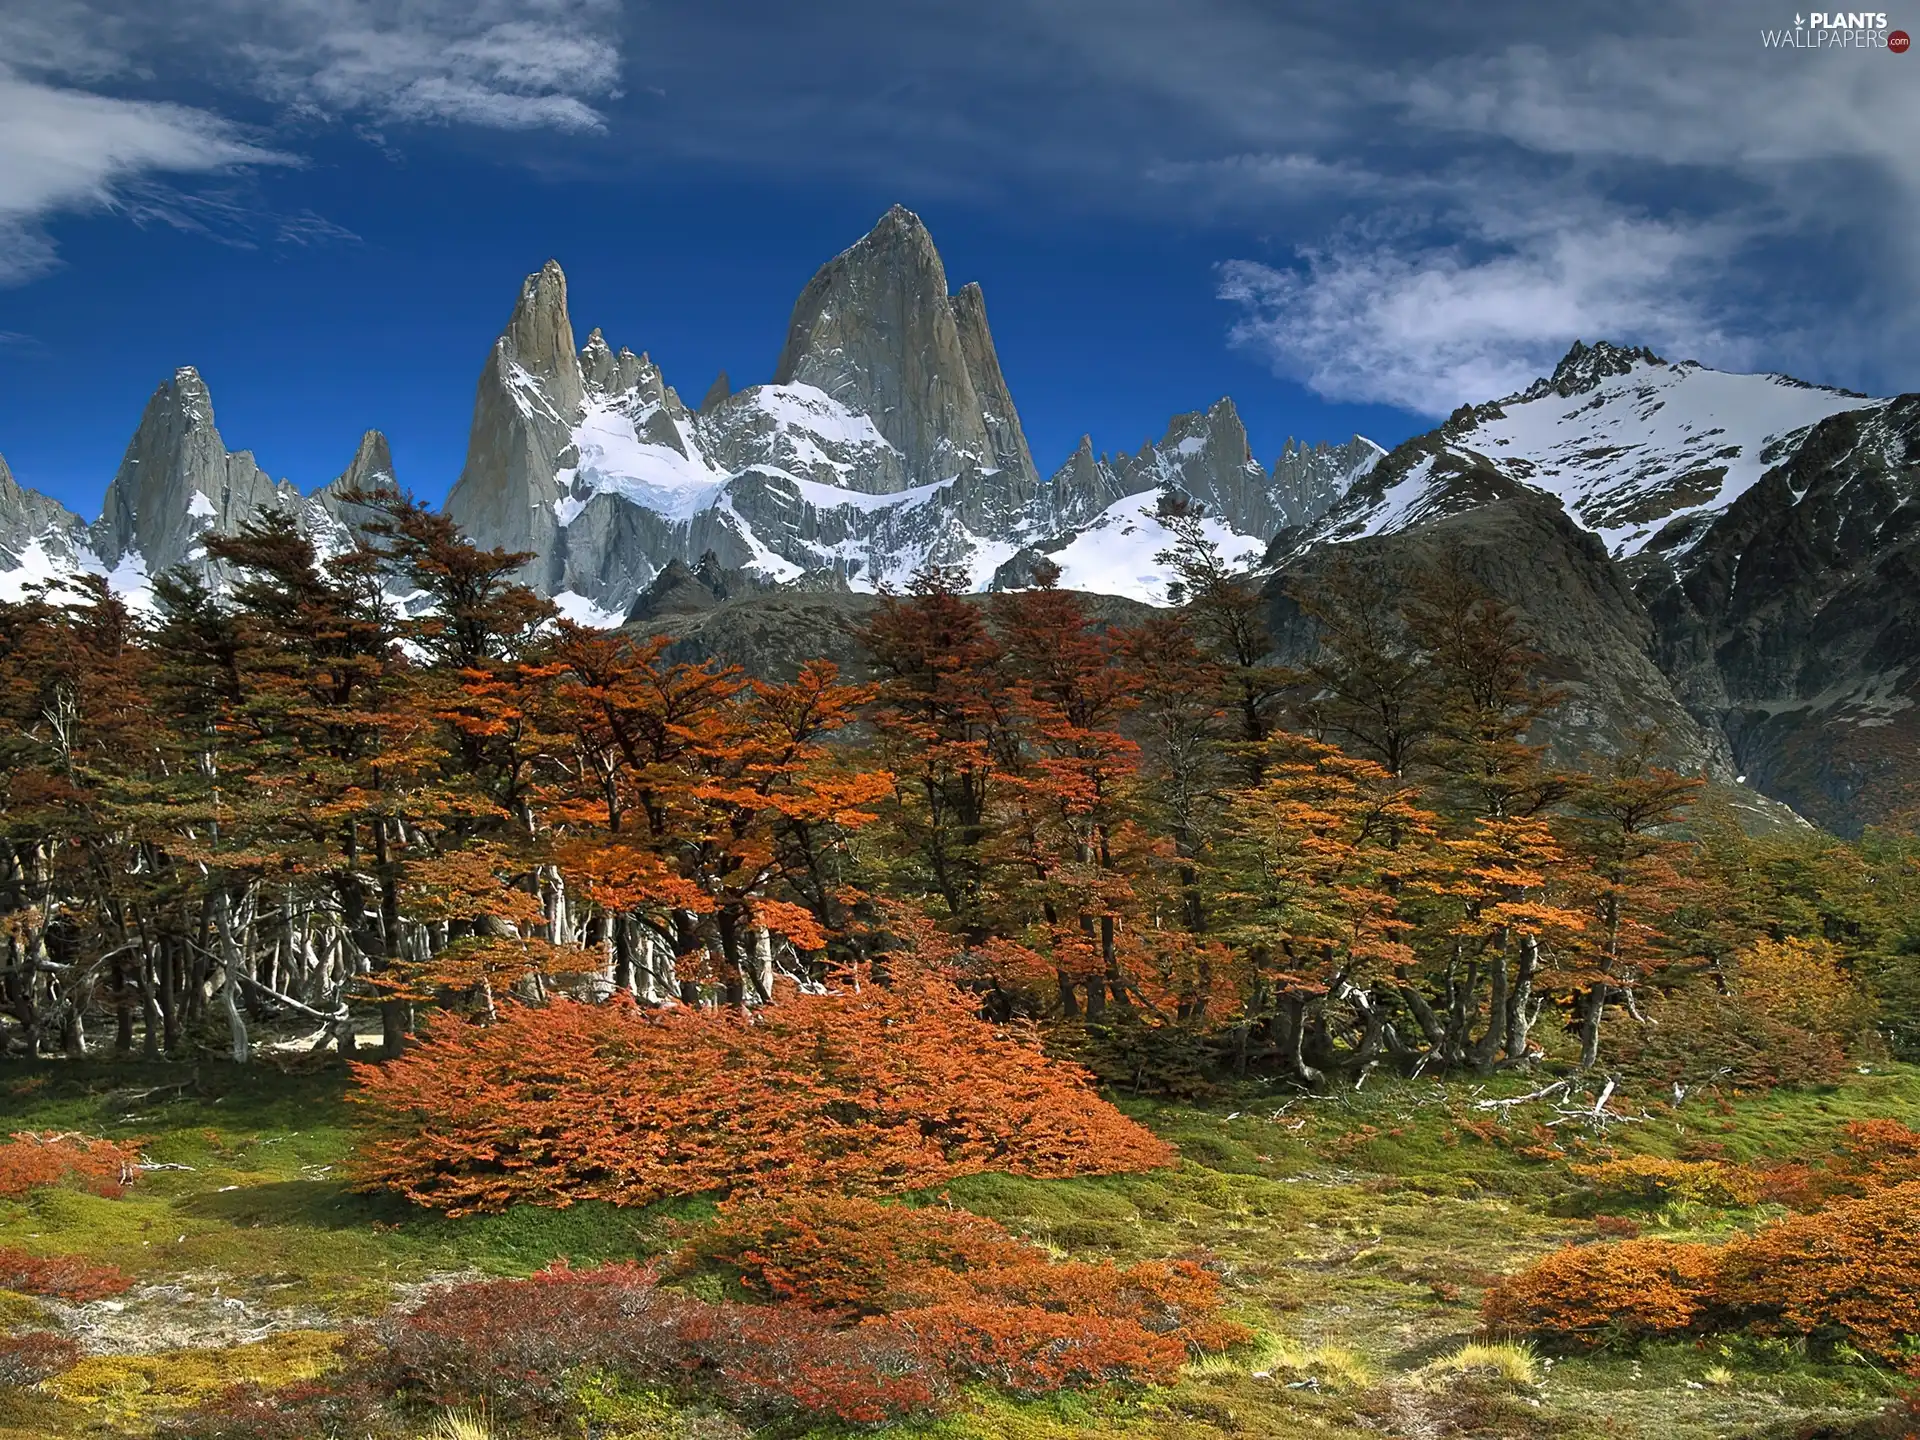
(1429, 327)
(1677, 186)
(66, 150)
(502, 64)
(498, 64)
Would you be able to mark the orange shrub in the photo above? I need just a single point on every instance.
(1590, 1294)
(990, 1306)
(1871, 1155)
(31, 1159)
(1877, 1153)
(851, 1256)
(1850, 1272)
(1033, 1351)
(891, 1088)
(64, 1277)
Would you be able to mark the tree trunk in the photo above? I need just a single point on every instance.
(233, 966)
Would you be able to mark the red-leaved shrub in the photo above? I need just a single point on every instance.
(30, 1159)
(988, 1305)
(1592, 1294)
(1850, 1272)
(64, 1277)
(35, 1356)
(891, 1088)
(510, 1343)
(878, 1312)
(336, 1406)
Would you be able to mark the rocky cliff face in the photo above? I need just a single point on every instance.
(876, 330)
(1792, 620)
(40, 539)
(176, 482)
(1006, 441)
(1310, 481)
(524, 410)
(888, 439)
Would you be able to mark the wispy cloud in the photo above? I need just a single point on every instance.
(66, 150)
(231, 214)
(67, 144)
(1429, 326)
(502, 64)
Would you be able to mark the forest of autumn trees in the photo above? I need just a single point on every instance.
(390, 782)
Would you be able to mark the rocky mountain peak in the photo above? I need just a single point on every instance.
(539, 334)
(39, 537)
(1009, 441)
(177, 481)
(371, 467)
(531, 391)
(1585, 366)
(328, 515)
(717, 393)
(876, 330)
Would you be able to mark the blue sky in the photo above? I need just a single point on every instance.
(1348, 218)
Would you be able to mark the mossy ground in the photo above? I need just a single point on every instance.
(1356, 1233)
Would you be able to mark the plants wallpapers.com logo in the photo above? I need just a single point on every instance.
(1838, 30)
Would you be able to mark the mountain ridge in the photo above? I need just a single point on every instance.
(1726, 558)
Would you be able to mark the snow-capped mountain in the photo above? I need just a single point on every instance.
(1641, 453)
(1732, 561)
(886, 439)
(176, 483)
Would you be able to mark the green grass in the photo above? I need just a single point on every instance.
(1354, 1232)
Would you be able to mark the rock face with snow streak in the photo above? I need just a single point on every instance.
(177, 481)
(888, 439)
(876, 330)
(40, 539)
(328, 515)
(530, 393)
(1792, 619)
(1308, 481)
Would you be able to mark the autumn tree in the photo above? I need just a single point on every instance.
(1320, 854)
(1229, 615)
(944, 722)
(1067, 809)
(1621, 830)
